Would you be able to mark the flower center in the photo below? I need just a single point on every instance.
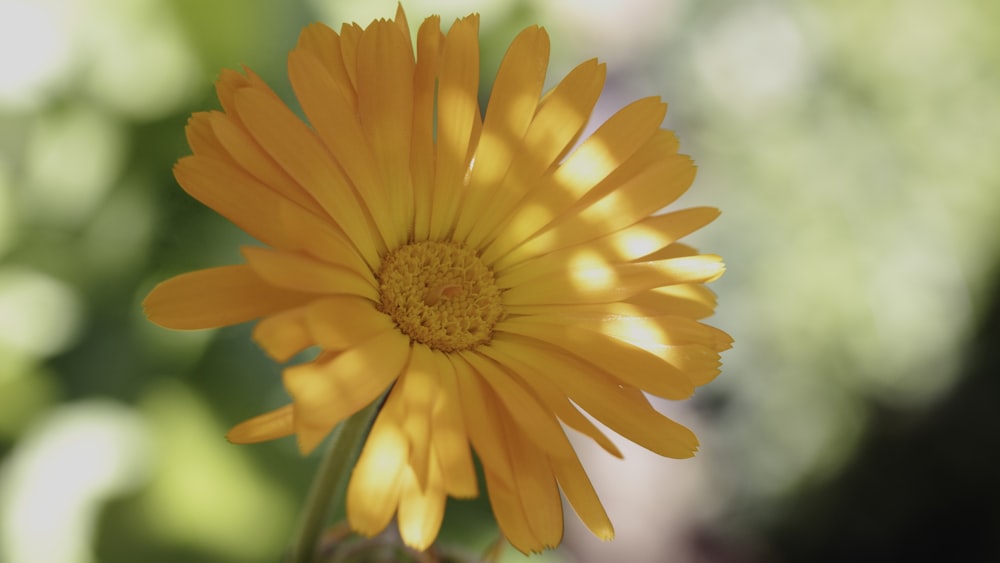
(440, 294)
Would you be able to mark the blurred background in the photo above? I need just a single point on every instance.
(852, 147)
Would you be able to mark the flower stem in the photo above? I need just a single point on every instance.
(336, 465)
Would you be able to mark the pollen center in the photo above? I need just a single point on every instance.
(440, 294)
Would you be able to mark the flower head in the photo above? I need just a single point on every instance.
(492, 273)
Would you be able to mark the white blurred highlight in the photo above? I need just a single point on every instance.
(54, 484)
(35, 51)
(753, 57)
(39, 315)
(71, 160)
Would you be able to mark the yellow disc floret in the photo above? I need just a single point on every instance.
(440, 293)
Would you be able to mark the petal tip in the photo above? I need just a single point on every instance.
(308, 442)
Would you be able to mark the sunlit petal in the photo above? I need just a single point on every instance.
(450, 439)
(597, 157)
(590, 279)
(597, 392)
(327, 393)
(421, 507)
(639, 240)
(552, 397)
(560, 118)
(630, 363)
(377, 480)
(511, 109)
(458, 109)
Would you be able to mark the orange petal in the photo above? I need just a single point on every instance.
(302, 155)
(419, 388)
(597, 157)
(626, 204)
(656, 330)
(631, 243)
(421, 507)
(450, 440)
(268, 426)
(230, 81)
(323, 43)
(510, 110)
(429, 40)
(373, 492)
(600, 394)
(252, 158)
(591, 279)
(340, 322)
(627, 362)
(385, 105)
(216, 297)
(457, 112)
(350, 38)
(582, 497)
(336, 122)
(539, 424)
(306, 274)
(480, 411)
(202, 140)
(510, 515)
(321, 239)
(536, 485)
(551, 397)
(561, 117)
(236, 195)
(694, 301)
(285, 334)
(325, 393)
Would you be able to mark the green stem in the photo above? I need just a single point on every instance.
(345, 446)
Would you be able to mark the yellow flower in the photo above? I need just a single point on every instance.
(490, 272)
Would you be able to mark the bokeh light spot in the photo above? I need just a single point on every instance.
(35, 50)
(205, 492)
(71, 161)
(39, 314)
(56, 480)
